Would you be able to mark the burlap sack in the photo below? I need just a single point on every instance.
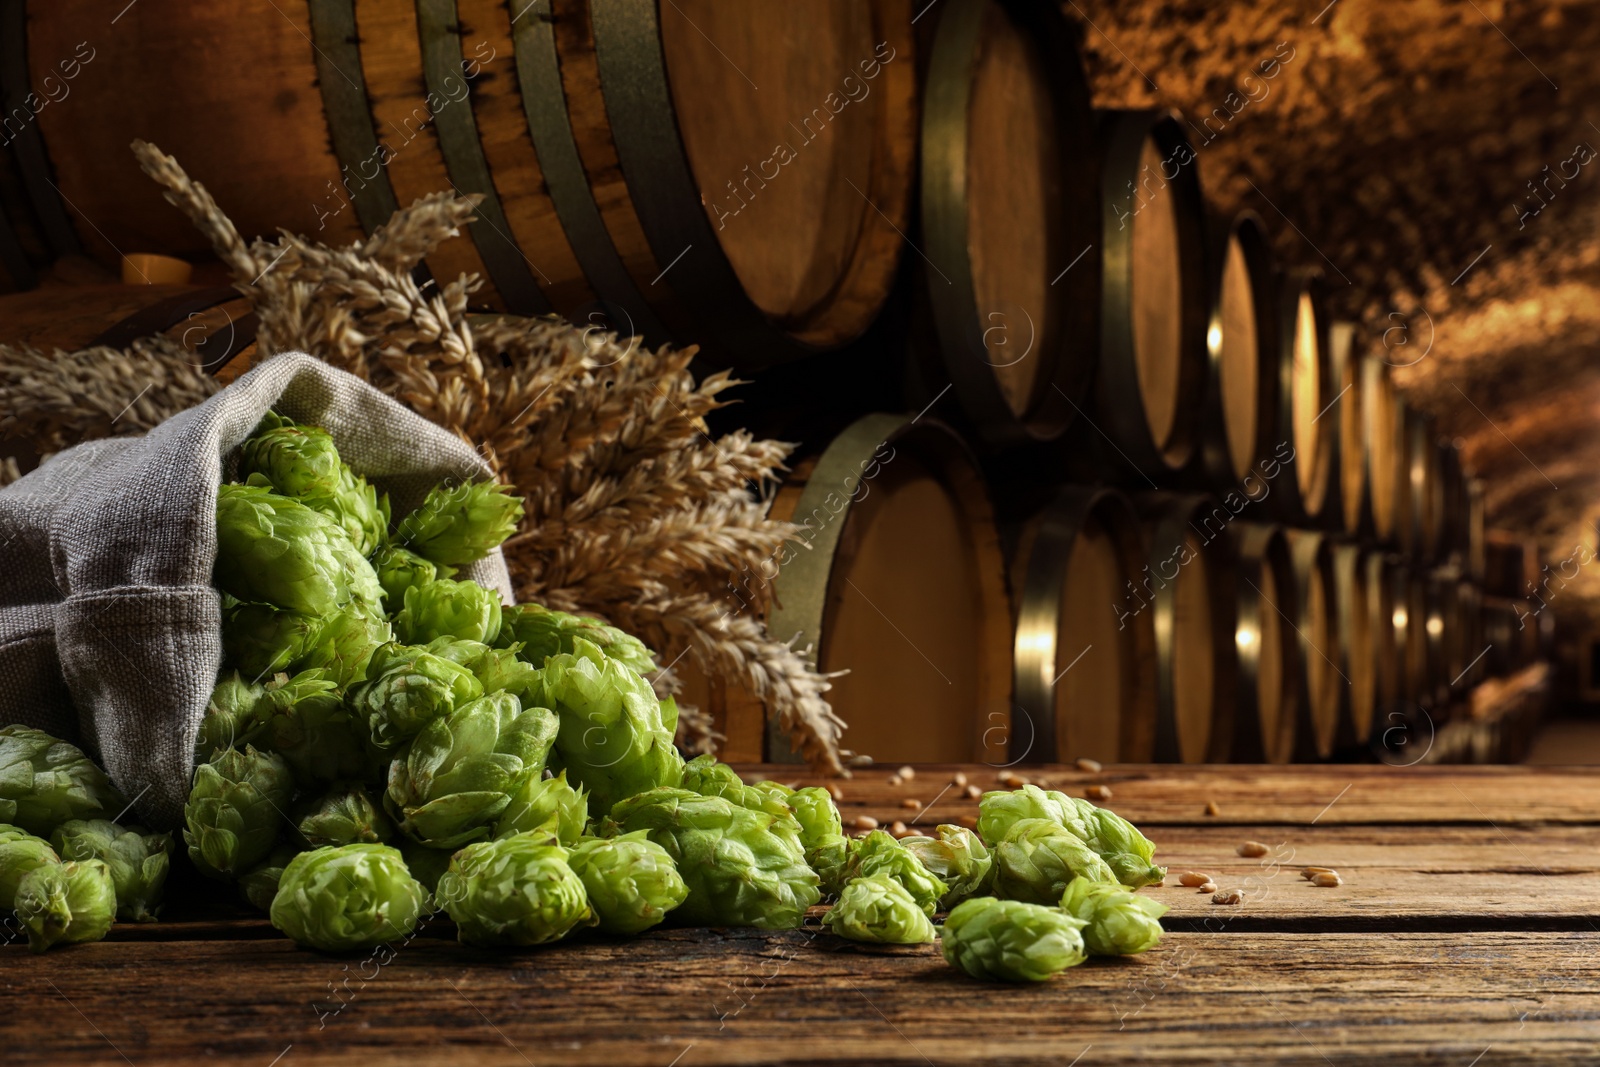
(109, 626)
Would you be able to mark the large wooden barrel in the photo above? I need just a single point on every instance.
(630, 164)
(1185, 583)
(1410, 628)
(1382, 447)
(1348, 470)
(1386, 616)
(1012, 237)
(1359, 643)
(1264, 644)
(1153, 314)
(1304, 491)
(1084, 655)
(1317, 640)
(1241, 390)
(904, 585)
(213, 322)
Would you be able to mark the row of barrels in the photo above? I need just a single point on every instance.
(1153, 626)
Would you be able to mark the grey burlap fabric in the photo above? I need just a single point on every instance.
(109, 627)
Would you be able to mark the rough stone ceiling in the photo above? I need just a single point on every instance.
(1441, 162)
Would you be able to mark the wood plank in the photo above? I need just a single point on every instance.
(697, 997)
(1249, 794)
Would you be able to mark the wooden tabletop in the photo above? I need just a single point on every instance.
(1467, 932)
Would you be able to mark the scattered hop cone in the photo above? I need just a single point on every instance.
(999, 811)
(45, 781)
(631, 881)
(957, 857)
(1039, 858)
(880, 909)
(347, 897)
(66, 903)
(456, 778)
(426, 864)
(516, 891)
(261, 640)
(543, 633)
(1118, 923)
(138, 861)
(1129, 854)
(399, 569)
(706, 776)
(880, 854)
(614, 740)
(274, 550)
(21, 854)
(235, 808)
(259, 885)
(307, 722)
(830, 858)
(498, 670)
(344, 642)
(738, 871)
(302, 462)
(1011, 940)
(406, 689)
(344, 815)
(462, 524)
(465, 611)
(233, 717)
(544, 804)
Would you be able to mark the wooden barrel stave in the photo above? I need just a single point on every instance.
(1381, 450)
(1305, 386)
(1348, 473)
(1359, 652)
(1317, 641)
(1084, 651)
(1269, 670)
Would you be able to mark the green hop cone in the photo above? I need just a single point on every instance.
(1119, 923)
(1129, 854)
(957, 857)
(302, 462)
(461, 524)
(498, 670)
(274, 550)
(1039, 858)
(462, 610)
(1011, 940)
(138, 861)
(66, 903)
(879, 908)
(236, 806)
(631, 881)
(738, 871)
(548, 804)
(45, 781)
(830, 858)
(259, 885)
(399, 569)
(347, 897)
(999, 811)
(233, 716)
(879, 853)
(344, 815)
(406, 689)
(543, 633)
(21, 853)
(709, 778)
(515, 891)
(614, 738)
(344, 642)
(425, 864)
(308, 723)
(260, 640)
(457, 776)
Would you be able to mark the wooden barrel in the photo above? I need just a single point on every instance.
(1008, 188)
(1304, 493)
(1507, 565)
(1507, 623)
(1084, 656)
(1348, 472)
(1360, 634)
(1476, 512)
(1185, 582)
(1385, 616)
(630, 164)
(1419, 527)
(1452, 537)
(1153, 314)
(1410, 627)
(1381, 448)
(904, 585)
(1469, 619)
(1317, 641)
(1264, 645)
(1454, 638)
(213, 322)
(1241, 390)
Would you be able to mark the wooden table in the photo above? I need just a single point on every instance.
(1467, 933)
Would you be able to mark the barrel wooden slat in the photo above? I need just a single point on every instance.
(1385, 614)
(1084, 651)
(1381, 448)
(1420, 520)
(904, 586)
(1451, 536)
(1008, 192)
(1359, 653)
(1476, 513)
(1269, 668)
(1153, 313)
(1317, 639)
(1189, 572)
(1305, 390)
(1241, 355)
(1348, 473)
(1412, 591)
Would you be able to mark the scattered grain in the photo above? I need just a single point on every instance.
(895, 779)
(1309, 873)
(1089, 766)
(835, 792)
(1193, 878)
(863, 822)
(972, 792)
(1253, 849)
(1212, 809)
(1227, 896)
(1207, 887)
(959, 781)
(1327, 879)
(969, 821)
(1098, 792)
(1012, 780)
(897, 828)
(908, 772)
(911, 804)
(861, 761)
